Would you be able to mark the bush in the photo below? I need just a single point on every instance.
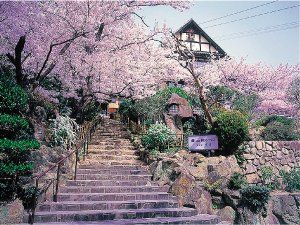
(158, 137)
(13, 126)
(255, 197)
(64, 131)
(232, 98)
(13, 99)
(16, 139)
(20, 146)
(276, 131)
(274, 118)
(268, 178)
(231, 127)
(291, 179)
(237, 181)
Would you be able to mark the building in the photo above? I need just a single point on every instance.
(195, 39)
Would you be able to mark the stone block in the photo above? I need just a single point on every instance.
(250, 169)
(252, 178)
(227, 214)
(249, 156)
(259, 145)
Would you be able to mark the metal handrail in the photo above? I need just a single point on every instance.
(85, 134)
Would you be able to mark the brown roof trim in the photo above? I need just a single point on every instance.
(214, 44)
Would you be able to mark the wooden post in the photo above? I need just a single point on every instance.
(57, 183)
(76, 163)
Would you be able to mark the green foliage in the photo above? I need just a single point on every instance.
(237, 181)
(278, 128)
(9, 146)
(12, 169)
(91, 111)
(29, 196)
(245, 103)
(255, 197)
(274, 118)
(13, 99)
(235, 99)
(211, 187)
(277, 131)
(12, 125)
(239, 155)
(16, 139)
(268, 178)
(7, 190)
(291, 179)
(231, 127)
(128, 108)
(153, 107)
(158, 137)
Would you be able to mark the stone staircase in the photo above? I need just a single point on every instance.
(114, 187)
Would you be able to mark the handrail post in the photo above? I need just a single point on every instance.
(87, 145)
(57, 183)
(31, 216)
(83, 149)
(76, 163)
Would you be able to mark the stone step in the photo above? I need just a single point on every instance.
(98, 215)
(113, 171)
(111, 157)
(113, 189)
(114, 167)
(112, 152)
(111, 142)
(110, 146)
(114, 196)
(105, 205)
(87, 183)
(195, 220)
(112, 177)
(97, 162)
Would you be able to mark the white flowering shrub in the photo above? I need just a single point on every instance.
(64, 131)
(158, 137)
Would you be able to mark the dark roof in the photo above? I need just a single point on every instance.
(185, 110)
(192, 23)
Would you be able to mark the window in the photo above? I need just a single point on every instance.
(191, 36)
(181, 83)
(174, 109)
(171, 84)
(195, 46)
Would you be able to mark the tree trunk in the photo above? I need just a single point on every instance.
(202, 98)
(16, 60)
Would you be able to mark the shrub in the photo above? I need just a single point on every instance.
(255, 197)
(64, 131)
(276, 131)
(158, 137)
(274, 118)
(19, 146)
(91, 111)
(13, 126)
(231, 127)
(235, 99)
(268, 178)
(291, 179)
(237, 181)
(13, 98)
(16, 138)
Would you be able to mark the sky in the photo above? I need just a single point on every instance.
(254, 38)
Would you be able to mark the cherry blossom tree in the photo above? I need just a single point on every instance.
(97, 46)
(269, 83)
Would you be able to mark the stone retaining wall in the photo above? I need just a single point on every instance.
(280, 155)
